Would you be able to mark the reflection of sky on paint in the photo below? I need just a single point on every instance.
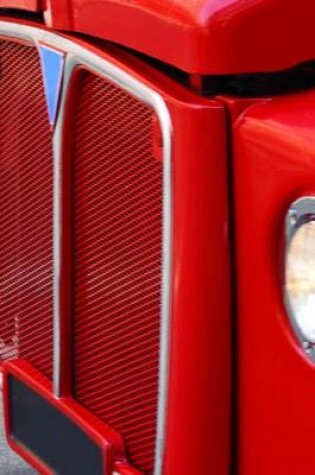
(52, 66)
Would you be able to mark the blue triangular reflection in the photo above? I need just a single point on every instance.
(52, 62)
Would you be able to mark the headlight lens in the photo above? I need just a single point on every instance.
(300, 275)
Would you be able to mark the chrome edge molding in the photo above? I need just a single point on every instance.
(77, 55)
(300, 212)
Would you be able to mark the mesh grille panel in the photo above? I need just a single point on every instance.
(118, 254)
(25, 210)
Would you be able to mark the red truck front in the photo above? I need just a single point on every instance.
(157, 210)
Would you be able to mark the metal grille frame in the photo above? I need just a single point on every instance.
(76, 56)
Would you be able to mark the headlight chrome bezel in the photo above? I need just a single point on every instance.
(300, 213)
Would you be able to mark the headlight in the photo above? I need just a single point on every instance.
(300, 269)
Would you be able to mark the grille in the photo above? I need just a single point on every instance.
(118, 262)
(25, 210)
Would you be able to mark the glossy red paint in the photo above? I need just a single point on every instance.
(198, 403)
(199, 396)
(27, 5)
(201, 37)
(274, 164)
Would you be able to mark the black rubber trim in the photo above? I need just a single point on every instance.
(49, 435)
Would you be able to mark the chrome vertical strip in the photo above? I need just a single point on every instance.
(78, 55)
(57, 240)
(57, 235)
(166, 287)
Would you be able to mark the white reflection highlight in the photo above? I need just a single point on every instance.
(300, 279)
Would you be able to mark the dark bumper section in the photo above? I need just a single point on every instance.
(49, 435)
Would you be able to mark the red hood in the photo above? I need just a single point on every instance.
(197, 36)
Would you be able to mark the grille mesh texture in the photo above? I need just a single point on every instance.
(25, 210)
(118, 181)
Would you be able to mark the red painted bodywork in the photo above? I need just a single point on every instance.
(274, 164)
(27, 5)
(201, 36)
(199, 395)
